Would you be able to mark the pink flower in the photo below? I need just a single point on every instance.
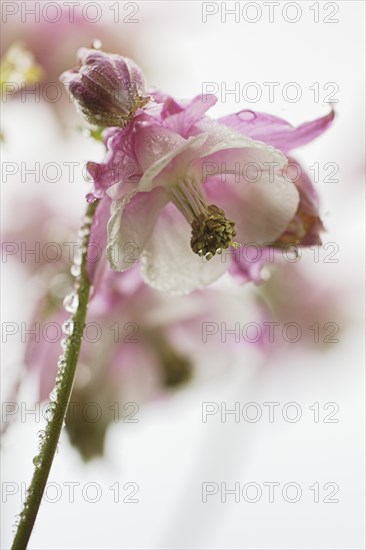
(164, 203)
(108, 88)
(169, 182)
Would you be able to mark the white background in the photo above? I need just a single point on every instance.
(170, 452)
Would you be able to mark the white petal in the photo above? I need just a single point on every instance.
(222, 138)
(168, 262)
(261, 210)
(131, 225)
(156, 151)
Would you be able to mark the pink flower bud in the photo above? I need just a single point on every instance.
(108, 88)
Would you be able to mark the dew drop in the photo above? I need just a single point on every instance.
(71, 302)
(50, 411)
(97, 44)
(90, 198)
(246, 115)
(53, 395)
(68, 327)
(61, 362)
(64, 343)
(37, 461)
(78, 257)
(154, 146)
(265, 274)
(75, 270)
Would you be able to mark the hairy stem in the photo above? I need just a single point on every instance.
(58, 407)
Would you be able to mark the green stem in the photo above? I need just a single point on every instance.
(64, 384)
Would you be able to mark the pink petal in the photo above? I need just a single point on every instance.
(276, 131)
(119, 166)
(181, 122)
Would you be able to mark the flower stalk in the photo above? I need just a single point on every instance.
(59, 404)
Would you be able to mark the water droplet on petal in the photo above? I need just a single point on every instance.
(246, 115)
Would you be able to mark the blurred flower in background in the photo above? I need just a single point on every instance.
(36, 50)
(313, 309)
(139, 344)
(19, 67)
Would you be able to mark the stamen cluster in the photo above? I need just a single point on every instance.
(212, 232)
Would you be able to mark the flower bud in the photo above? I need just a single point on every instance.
(107, 87)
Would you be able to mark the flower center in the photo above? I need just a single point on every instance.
(212, 232)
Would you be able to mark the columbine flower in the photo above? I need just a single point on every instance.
(165, 204)
(169, 180)
(108, 88)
